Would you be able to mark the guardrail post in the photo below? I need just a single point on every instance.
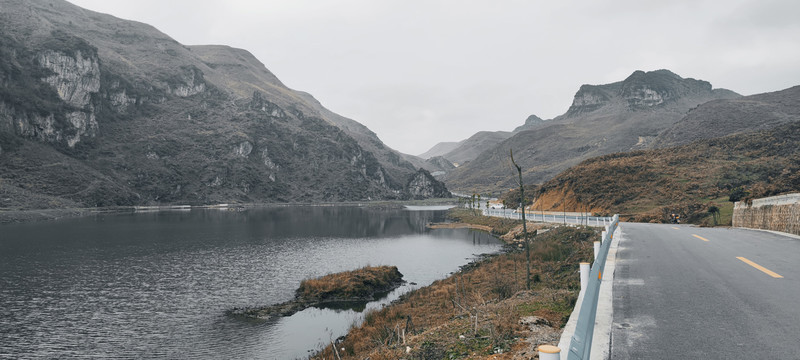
(596, 249)
(584, 275)
(549, 352)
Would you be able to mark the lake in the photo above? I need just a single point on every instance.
(157, 285)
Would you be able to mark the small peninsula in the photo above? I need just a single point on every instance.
(359, 285)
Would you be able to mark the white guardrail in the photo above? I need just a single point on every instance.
(580, 345)
(550, 217)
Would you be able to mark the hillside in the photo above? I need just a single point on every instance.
(468, 149)
(732, 116)
(602, 119)
(99, 111)
(648, 185)
(439, 149)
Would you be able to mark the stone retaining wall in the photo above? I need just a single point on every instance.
(778, 213)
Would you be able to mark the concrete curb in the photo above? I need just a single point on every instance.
(601, 339)
(781, 233)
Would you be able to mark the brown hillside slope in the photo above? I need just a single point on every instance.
(650, 184)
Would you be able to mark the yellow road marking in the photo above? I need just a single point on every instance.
(700, 237)
(675, 228)
(759, 267)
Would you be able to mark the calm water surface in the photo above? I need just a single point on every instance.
(156, 285)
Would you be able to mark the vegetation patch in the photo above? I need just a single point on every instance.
(498, 226)
(483, 310)
(355, 286)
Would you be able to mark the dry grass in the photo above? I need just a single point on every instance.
(476, 312)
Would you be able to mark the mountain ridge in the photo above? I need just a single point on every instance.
(620, 116)
(732, 116)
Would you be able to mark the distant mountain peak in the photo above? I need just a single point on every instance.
(640, 90)
(530, 123)
(648, 89)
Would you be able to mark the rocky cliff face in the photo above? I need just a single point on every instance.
(590, 98)
(75, 78)
(57, 108)
(101, 111)
(641, 90)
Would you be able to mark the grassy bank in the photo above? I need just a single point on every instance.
(483, 310)
(499, 226)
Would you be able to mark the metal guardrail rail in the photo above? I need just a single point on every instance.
(581, 343)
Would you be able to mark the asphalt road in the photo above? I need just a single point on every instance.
(681, 292)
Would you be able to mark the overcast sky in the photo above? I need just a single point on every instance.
(421, 72)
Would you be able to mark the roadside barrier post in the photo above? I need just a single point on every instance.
(549, 352)
(596, 249)
(584, 275)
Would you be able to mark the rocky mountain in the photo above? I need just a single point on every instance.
(99, 111)
(732, 116)
(602, 119)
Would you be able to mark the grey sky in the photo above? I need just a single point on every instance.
(421, 72)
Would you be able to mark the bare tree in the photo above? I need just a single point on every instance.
(524, 223)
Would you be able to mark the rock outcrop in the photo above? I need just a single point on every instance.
(73, 75)
(423, 185)
(350, 287)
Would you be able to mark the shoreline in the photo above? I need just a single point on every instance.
(18, 216)
(483, 310)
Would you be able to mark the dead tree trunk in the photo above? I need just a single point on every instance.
(524, 223)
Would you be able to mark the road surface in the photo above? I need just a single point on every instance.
(683, 292)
